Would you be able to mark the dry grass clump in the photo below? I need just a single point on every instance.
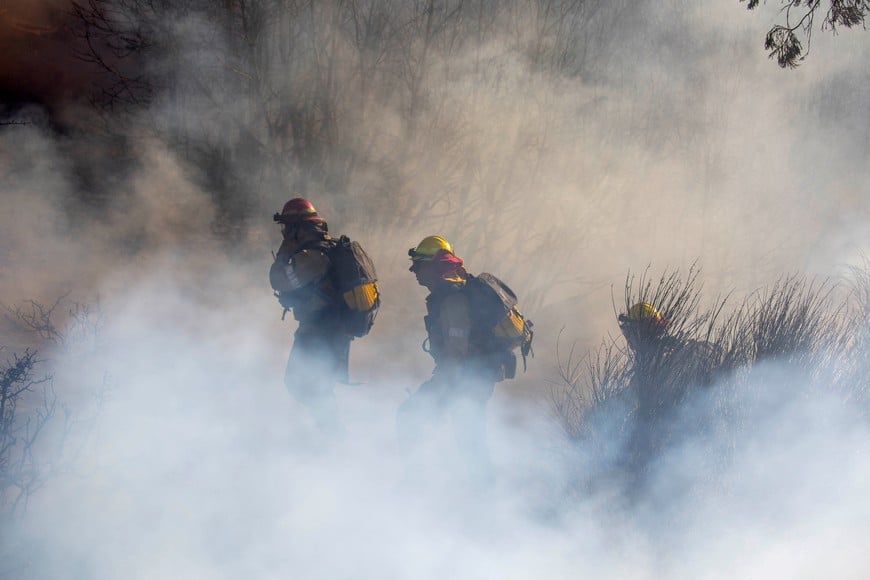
(629, 408)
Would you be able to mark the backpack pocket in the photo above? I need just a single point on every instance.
(362, 297)
(510, 327)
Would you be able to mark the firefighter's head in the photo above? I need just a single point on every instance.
(299, 220)
(433, 261)
(642, 325)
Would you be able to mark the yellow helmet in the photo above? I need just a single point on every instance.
(428, 248)
(644, 311)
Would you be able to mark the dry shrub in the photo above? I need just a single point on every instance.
(631, 408)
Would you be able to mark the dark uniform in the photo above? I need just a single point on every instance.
(321, 345)
(463, 379)
(665, 371)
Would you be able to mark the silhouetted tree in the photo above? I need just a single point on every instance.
(27, 404)
(783, 40)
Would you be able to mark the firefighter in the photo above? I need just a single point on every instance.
(321, 345)
(665, 366)
(464, 376)
(665, 370)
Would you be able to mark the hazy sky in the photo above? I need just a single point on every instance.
(683, 143)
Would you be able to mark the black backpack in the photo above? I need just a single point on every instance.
(500, 324)
(354, 278)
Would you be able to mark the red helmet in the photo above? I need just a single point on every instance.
(298, 209)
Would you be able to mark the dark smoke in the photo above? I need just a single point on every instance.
(557, 145)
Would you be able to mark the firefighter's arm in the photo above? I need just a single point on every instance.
(286, 250)
(304, 268)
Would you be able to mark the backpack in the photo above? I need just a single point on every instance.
(353, 276)
(496, 316)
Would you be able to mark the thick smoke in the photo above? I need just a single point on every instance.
(676, 141)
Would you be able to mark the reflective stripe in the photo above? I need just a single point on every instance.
(292, 278)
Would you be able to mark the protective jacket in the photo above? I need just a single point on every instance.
(319, 357)
(667, 369)
(300, 275)
(452, 339)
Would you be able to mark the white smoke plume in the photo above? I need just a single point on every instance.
(684, 144)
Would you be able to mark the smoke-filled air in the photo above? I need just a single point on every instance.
(375, 289)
